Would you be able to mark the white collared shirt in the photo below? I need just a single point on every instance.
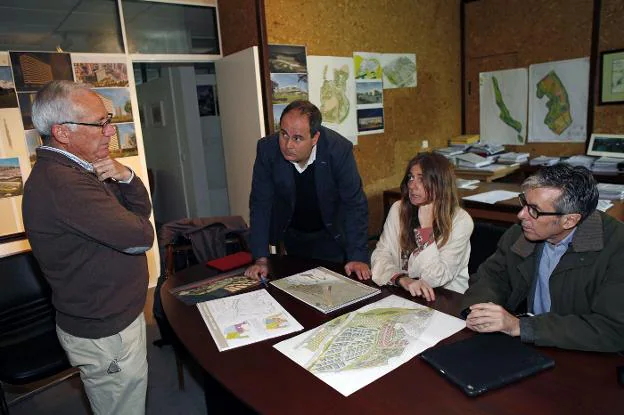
(310, 161)
(82, 163)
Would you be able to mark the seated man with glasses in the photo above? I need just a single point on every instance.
(87, 220)
(557, 278)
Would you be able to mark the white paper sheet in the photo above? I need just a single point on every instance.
(492, 197)
(357, 348)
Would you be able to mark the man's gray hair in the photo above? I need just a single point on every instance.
(54, 105)
(579, 193)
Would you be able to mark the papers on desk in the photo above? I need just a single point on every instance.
(467, 184)
(357, 348)
(611, 191)
(604, 205)
(245, 319)
(325, 290)
(492, 196)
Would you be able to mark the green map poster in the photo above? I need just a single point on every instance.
(503, 106)
(558, 93)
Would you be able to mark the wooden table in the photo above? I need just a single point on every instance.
(505, 211)
(270, 383)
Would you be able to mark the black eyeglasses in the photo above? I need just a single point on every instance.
(102, 125)
(533, 211)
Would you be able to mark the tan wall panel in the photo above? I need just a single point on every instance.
(609, 119)
(430, 111)
(504, 34)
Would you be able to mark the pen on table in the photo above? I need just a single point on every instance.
(264, 282)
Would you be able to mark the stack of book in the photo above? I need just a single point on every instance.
(585, 161)
(512, 158)
(472, 160)
(611, 191)
(466, 139)
(449, 152)
(544, 161)
(608, 165)
(487, 149)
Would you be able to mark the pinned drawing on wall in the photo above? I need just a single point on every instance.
(369, 92)
(14, 170)
(558, 95)
(100, 71)
(503, 97)
(8, 97)
(368, 66)
(332, 90)
(287, 59)
(32, 70)
(612, 77)
(399, 70)
(289, 77)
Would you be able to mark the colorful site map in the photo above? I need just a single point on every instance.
(558, 97)
(331, 87)
(335, 104)
(355, 349)
(399, 70)
(213, 288)
(503, 106)
(505, 115)
(247, 318)
(558, 117)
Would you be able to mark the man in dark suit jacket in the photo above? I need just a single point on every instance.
(307, 193)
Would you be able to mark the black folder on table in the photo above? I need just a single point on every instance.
(486, 361)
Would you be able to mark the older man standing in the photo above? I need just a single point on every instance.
(560, 271)
(87, 220)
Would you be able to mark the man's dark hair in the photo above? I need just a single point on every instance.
(579, 193)
(308, 109)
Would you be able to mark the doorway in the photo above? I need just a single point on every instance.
(181, 129)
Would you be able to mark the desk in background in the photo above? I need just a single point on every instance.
(486, 175)
(269, 382)
(504, 212)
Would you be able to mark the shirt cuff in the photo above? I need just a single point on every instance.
(130, 179)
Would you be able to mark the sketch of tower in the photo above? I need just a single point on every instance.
(108, 103)
(113, 145)
(35, 71)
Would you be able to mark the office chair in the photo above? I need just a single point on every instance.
(29, 348)
(187, 242)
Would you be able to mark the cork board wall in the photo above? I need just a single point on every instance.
(504, 34)
(431, 111)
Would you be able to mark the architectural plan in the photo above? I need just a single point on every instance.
(357, 348)
(325, 290)
(247, 318)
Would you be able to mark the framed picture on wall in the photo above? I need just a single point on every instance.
(612, 77)
(607, 145)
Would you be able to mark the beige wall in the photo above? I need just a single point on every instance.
(431, 111)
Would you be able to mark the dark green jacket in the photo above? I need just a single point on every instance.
(586, 287)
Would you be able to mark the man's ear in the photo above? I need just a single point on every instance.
(570, 220)
(60, 133)
(315, 138)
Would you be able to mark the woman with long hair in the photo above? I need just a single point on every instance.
(426, 238)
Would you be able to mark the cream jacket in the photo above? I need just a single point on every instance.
(441, 267)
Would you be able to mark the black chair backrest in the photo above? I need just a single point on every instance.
(483, 242)
(25, 299)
